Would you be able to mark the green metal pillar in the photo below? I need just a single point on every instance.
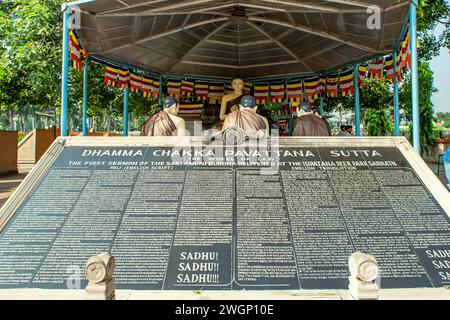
(357, 106)
(160, 102)
(321, 106)
(125, 112)
(65, 75)
(414, 75)
(396, 100)
(85, 97)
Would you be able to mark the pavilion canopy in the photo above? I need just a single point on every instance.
(247, 38)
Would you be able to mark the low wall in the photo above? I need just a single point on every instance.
(44, 139)
(35, 144)
(26, 149)
(8, 151)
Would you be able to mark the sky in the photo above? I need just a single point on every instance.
(441, 67)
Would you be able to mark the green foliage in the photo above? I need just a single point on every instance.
(443, 118)
(377, 94)
(431, 14)
(339, 104)
(377, 122)
(30, 67)
(273, 108)
(21, 136)
(426, 108)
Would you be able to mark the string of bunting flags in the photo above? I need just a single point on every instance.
(294, 90)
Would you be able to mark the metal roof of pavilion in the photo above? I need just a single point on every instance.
(246, 38)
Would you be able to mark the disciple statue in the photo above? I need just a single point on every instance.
(309, 124)
(165, 122)
(230, 102)
(247, 119)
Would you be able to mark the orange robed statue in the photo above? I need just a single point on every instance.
(247, 119)
(165, 122)
(309, 124)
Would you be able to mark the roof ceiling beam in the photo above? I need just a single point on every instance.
(216, 50)
(182, 5)
(269, 64)
(359, 9)
(278, 43)
(222, 42)
(314, 31)
(145, 4)
(351, 3)
(166, 33)
(203, 10)
(254, 43)
(137, 22)
(211, 57)
(324, 50)
(198, 44)
(302, 5)
(157, 14)
(261, 50)
(218, 65)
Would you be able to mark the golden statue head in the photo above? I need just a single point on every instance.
(237, 85)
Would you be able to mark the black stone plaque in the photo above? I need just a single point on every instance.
(227, 219)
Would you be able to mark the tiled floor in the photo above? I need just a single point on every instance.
(8, 185)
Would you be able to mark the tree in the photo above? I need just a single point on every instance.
(443, 118)
(431, 14)
(377, 122)
(426, 108)
(30, 66)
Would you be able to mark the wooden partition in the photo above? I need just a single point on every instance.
(34, 145)
(8, 151)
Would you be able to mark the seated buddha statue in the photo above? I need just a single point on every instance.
(247, 119)
(165, 122)
(230, 102)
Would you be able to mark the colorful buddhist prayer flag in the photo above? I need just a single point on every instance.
(248, 88)
(228, 88)
(155, 87)
(124, 79)
(405, 53)
(376, 69)
(346, 83)
(399, 70)
(174, 88)
(323, 82)
(403, 60)
(191, 109)
(362, 70)
(147, 86)
(111, 76)
(262, 92)
(294, 91)
(216, 92)
(135, 82)
(332, 85)
(312, 88)
(201, 90)
(187, 88)
(75, 51)
(389, 67)
(277, 91)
